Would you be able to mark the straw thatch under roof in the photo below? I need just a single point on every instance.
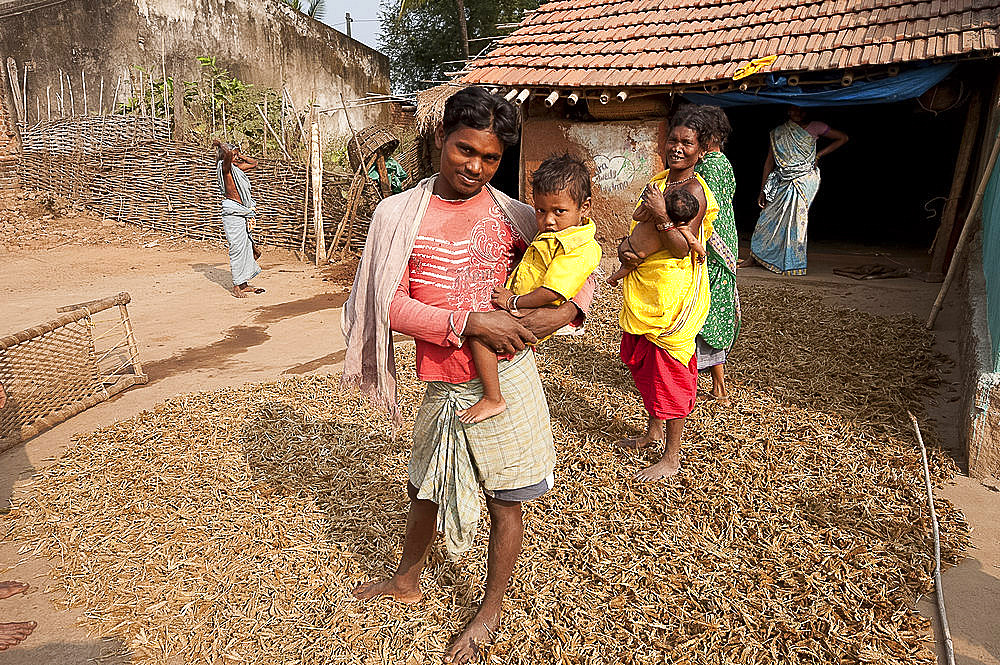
(430, 104)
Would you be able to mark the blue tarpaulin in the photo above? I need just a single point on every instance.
(908, 84)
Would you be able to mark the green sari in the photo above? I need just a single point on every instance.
(723, 322)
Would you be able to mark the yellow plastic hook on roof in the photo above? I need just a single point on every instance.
(754, 66)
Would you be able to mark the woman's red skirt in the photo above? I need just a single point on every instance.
(668, 388)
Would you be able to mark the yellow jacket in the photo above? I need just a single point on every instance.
(667, 299)
(558, 260)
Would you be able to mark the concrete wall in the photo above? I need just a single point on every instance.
(622, 155)
(263, 42)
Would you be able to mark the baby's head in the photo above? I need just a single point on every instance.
(560, 187)
(681, 205)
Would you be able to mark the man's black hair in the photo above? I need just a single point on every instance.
(682, 206)
(559, 172)
(475, 108)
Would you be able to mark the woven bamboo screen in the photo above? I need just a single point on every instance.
(57, 369)
(126, 168)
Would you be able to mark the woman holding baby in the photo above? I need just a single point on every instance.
(665, 289)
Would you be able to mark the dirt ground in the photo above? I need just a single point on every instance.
(194, 336)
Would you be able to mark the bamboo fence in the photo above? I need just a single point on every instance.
(127, 168)
(57, 369)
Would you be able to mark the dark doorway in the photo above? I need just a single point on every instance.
(886, 187)
(507, 177)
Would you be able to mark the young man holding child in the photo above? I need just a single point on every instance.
(433, 258)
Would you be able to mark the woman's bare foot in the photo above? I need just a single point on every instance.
(11, 588)
(390, 586)
(477, 635)
(12, 634)
(638, 442)
(240, 292)
(748, 262)
(668, 466)
(481, 410)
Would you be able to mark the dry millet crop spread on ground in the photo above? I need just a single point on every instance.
(231, 526)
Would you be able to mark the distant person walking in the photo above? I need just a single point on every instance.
(789, 185)
(238, 215)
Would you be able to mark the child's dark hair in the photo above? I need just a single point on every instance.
(559, 172)
(474, 107)
(682, 206)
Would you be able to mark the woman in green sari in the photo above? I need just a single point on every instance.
(723, 322)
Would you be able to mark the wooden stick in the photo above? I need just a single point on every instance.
(72, 104)
(305, 203)
(24, 93)
(100, 99)
(939, 248)
(225, 125)
(83, 82)
(163, 63)
(963, 238)
(48, 100)
(62, 106)
(317, 181)
(273, 133)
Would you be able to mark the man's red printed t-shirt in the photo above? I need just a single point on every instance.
(463, 250)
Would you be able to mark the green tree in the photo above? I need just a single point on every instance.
(315, 9)
(424, 40)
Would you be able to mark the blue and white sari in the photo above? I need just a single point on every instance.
(779, 241)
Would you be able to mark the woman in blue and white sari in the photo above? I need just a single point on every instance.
(789, 185)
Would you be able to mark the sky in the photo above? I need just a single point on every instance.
(365, 27)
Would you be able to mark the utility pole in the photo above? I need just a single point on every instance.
(349, 19)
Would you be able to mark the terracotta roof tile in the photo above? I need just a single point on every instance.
(618, 43)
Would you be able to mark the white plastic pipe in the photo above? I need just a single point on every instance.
(552, 98)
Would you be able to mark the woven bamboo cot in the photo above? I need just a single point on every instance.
(55, 370)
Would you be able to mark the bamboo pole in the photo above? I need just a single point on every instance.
(263, 114)
(963, 238)
(62, 105)
(72, 102)
(24, 93)
(83, 82)
(939, 248)
(100, 99)
(163, 63)
(305, 203)
(48, 100)
(317, 182)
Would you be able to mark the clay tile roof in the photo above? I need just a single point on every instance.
(635, 43)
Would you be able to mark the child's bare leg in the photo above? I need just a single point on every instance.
(492, 402)
(670, 463)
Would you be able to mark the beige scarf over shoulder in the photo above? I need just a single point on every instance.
(369, 363)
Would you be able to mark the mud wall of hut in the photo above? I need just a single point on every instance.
(263, 42)
(622, 155)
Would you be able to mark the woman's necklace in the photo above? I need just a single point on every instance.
(678, 182)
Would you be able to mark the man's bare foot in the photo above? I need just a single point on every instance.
(638, 442)
(667, 466)
(256, 252)
(12, 588)
(388, 587)
(240, 292)
(477, 635)
(481, 410)
(12, 634)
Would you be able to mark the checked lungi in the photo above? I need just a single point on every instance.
(450, 460)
